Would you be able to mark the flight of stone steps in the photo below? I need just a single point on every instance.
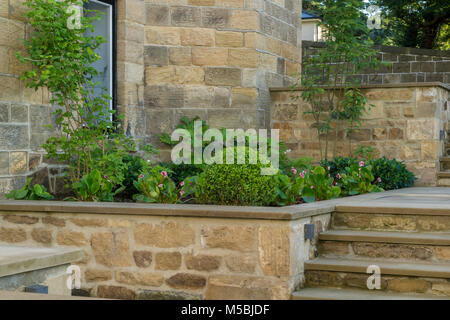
(443, 176)
(411, 247)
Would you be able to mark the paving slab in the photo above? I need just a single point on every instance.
(18, 259)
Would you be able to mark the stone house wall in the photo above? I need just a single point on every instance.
(173, 256)
(408, 122)
(211, 58)
(217, 60)
(404, 65)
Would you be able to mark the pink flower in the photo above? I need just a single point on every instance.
(160, 185)
(361, 163)
(359, 176)
(141, 176)
(301, 174)
(181, 192)
(164, 173)
(379, 179)
(312, 187)
(105, 176)
(329, 168)
(338, 176)
(182, 183)
(294, 171)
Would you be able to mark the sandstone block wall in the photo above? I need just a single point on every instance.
(24, 112)
(217, 60)
(154, 257)
(407, 122)
(403, 65)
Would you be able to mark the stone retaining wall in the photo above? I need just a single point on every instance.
(404, 65)
(150, 252)
(408, 122)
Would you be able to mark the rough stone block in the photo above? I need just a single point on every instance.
(164, 235)
(156, 15)
(183, 16)
(186, 281)
(111, 249)
(202, 56)
(229, 237)
(197, 37)
(274, 250)
(97, 275)
(409, 285)
(164, 96)
(9, 88)
(241, 263)
(167, 261)
(71, 238)
(215, 17)
(180, 56)
(199, 97)
(230, 287)
(139, 278)
(19, 113)
(420, 129)
(156, 56)
(4, 112)
(245, 20)
(202, 262)
(229, 39)
(142, 258)
(12, 235)
(13, 137)
(115, 292)
(223, 76)
(162, 36)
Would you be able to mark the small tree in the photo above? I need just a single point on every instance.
(327, 79)
(61, 60)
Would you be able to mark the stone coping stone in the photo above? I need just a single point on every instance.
(16, 295)
(294, 212)
(374, 86)
(18, 259)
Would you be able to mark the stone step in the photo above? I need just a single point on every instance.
(415, 217)
(354, 294)
(443, 178)
(445, 163)
(413, 269)
(389, 245)
(404, 277)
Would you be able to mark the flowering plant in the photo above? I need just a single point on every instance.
(94, 187)
(319, 185)
(357, 179)
(155, 186)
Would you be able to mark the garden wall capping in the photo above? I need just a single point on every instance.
(176, 210)
(370, 86)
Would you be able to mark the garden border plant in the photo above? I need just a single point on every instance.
(327, 79)
(99, 156)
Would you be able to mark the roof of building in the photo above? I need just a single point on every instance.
(309, 15)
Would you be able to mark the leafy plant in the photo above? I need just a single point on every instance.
(391, 174)
(180, 172)
(155, 186)
(289, 189)
(95, 187)
(61, 60)
(319, 185)
(28, 192)
(357, 179)
(338, 165)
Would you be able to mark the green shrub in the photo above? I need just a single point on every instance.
(28, 192)
(357, 179)
(392, 174)
(235, 184)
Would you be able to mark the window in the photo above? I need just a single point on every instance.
(106, 28)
